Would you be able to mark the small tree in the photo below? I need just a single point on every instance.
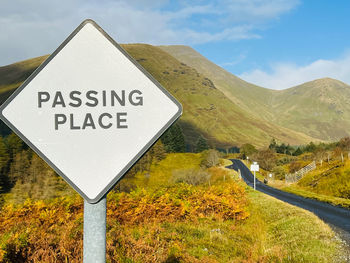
(273, 144)
(297, 152)
(295, 166)
(266, 159)
(201, 144)
(210, 158)
(247, 149)
(344, 143)
(279, 172)
(174, 139)
(337, 152)
(4, 159)
(14, 144)
(4, 156)
(154, 154)
(319, 155)
(310, 147)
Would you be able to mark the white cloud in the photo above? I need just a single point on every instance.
(33, 28)
(258, 10)
(286, 75)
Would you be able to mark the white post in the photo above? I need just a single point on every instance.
(254, 182)
(95, 231)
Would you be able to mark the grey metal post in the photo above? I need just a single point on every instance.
(95, 231)
(254, 181)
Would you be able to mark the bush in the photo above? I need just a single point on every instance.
(295, 166)
(210, 158)
(285, 160)
(52, 231)
(279, 172)
(201, 144)
(191, 176)
(266, 159)
(247, 150)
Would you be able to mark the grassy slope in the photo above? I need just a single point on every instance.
(318, 108)
(206, 109)
(13, 75)
(247, 96)
(273, 232)
(328, 183)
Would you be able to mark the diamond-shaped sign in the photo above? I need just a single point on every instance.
(90, 111)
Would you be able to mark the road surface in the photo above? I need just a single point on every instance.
(335, 216)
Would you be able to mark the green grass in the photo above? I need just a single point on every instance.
(16, 73)
(329, 183)
(297, 234)
(161, 173)
(273, 232)
(294, 189)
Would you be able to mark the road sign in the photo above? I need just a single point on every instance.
(254, 167)
(90, 111)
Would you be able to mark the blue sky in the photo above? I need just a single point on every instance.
(272, 43)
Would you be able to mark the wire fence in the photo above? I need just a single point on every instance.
(294, 177)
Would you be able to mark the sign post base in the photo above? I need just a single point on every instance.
(95, 231)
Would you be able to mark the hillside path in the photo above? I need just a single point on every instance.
(335, 216)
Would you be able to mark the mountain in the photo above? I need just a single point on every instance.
(251, 98)
(207, 110)
(318, 108)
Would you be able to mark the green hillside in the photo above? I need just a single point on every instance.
(207, 110)
(247, 96)
(318, 108)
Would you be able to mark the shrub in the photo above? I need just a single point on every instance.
(266, 159)
(279, 172)
(295, 166)
(210, 158)
(191, 176)
(52, 231)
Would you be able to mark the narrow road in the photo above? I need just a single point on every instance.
(336, 216)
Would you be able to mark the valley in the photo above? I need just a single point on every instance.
(207, 111)
(179, 203)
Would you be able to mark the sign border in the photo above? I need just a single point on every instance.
(121, 174)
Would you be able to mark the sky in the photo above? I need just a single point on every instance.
(275, 44)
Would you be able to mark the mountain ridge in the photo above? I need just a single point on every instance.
(207, 110)
(314, 108)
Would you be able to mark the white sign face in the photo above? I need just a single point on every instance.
(90, 111)
(254, 167)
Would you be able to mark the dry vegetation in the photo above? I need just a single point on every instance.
(162, 221)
